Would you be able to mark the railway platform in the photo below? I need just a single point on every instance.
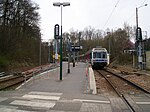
(46, 93)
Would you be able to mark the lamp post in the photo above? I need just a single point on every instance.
(61, 5)
(137, 13)
(69, 50)
(108, 34)
(49, 46)
(40, 52)
(79, 46)
(139, 40)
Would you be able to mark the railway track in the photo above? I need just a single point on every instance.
(10, 81)
(122, 87)
(130, 82)
(2, 74)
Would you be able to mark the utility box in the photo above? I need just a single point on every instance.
(147, 59)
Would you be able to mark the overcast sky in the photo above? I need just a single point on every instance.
(94, 13)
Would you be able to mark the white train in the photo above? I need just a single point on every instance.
(98, 57)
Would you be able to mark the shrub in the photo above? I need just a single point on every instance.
(4, 62)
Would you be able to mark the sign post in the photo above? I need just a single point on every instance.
(139, 47)
(75, 49)
(56, 36)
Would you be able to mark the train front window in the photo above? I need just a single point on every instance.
(103, 55)
(94, 54)
(99, 55)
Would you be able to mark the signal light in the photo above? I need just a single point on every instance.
(138, 34)
(56, 31)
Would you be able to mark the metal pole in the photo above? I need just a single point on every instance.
(133, 60)
(109, 44)
(68, 56)
(68, 62)
(61, 5)
(49, 52)
(77, 57)
(140, 56)
(79, 47)
(53, 52)
(144, 56)
(74, 56)
(56, 50)
(40, 53)
(61, 18)
(61, 47)
(139, 43)
(136, 17)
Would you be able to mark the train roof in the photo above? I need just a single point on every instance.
(95, 49)
(92, 50)
(99, 49)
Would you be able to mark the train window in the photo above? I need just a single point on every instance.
(99, 55)
(90, 55)
(103, 55)
(94, 54)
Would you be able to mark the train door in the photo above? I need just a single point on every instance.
(108, 58)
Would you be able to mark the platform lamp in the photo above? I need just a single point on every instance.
(139, 40)
(61, 5)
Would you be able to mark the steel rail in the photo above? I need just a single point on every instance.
(2, 74)
(7, 82)
(118, 93)
(129, 82)
(10, 82)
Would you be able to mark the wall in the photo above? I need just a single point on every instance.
(147, 59)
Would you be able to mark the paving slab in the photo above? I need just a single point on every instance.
(46, 93)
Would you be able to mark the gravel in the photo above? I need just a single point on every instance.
(129, 73)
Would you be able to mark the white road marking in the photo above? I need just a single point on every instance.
(38, 93)
(12, 110)
(41, 97)
(2, 99)
(47, 71)
(45, 93)
(92, 101)
(41, 104)
(34, 99)
(144, 103)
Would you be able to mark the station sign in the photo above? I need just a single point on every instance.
(76, 48)
(129, 51)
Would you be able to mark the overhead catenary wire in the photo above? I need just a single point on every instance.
(143, 2)
(111, 13)
(134, 12)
